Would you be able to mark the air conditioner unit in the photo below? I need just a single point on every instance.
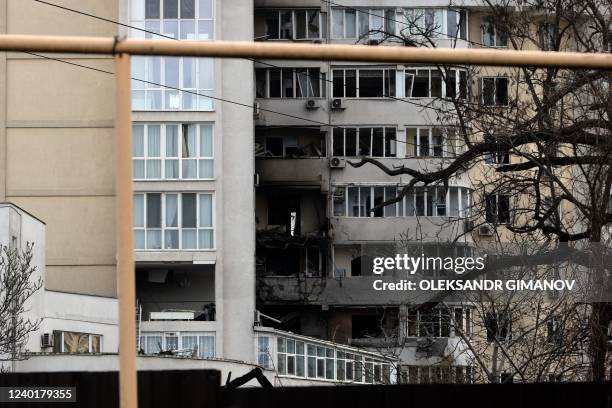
(46, 340)
(311, 104)
(468, 225)
(256, 110)
(337, 163)
(485, 230)
(337, 104)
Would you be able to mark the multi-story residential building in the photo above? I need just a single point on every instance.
(193, 173)
(315, 226)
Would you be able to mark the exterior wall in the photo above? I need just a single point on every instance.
(57, 144)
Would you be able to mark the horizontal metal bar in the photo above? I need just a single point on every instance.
(293, 51)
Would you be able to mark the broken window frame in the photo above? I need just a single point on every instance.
(291, 33)
(205, 343)
(389, 141)
(389, 79)
(448, 147)
(492, 326)
(316, 83)
(459, 77)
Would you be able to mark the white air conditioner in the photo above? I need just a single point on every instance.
(485, 230)
(311, 104)
(46, 340)
(337, 163)
(337, 104)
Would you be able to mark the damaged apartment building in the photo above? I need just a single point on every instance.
(313, 209)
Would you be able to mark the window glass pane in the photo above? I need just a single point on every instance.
(187, 30)
(171, 28)
(138, 141)
(171, 210)
(350, 84)
(139, 210)
(205, 238)
(189, 210)
(171, 76)
(206, 141)
(206, 168)
(187, 9)
(205, 210)
(189, 238)
(451, 23)
(364, 23)
(376, 23)
(350, 17)
(260, 83)
(207, 346)
(337, 23)
(188, 142)
(153, 141)
(501, 91)
(390, 192)
(189, 73)
(170, 8)
(315, 83)
(300, 24)
(206, 73)
(151, 8)
(154, 239)
(171, 239)
(138, 169)
(454, 202)
(171, 140)
(206, 29)
(153, 210)
(172, 169)
(205, 8)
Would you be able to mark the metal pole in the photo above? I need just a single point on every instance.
(126, 282)
(317, 52)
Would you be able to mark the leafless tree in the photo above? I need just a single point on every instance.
(17, 287)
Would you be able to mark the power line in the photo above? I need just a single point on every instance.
(196, 93)
(426, 106)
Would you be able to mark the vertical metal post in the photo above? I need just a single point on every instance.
(126, 282)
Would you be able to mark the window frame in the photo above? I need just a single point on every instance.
(497, 34)
(402, 207)
(179, 221)
(387, 80)
(496, 80)
(387, 130)
(90, 337)
(460, 93)
(295, 81)
(323, 30)
(164, 158)
(496, 218)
